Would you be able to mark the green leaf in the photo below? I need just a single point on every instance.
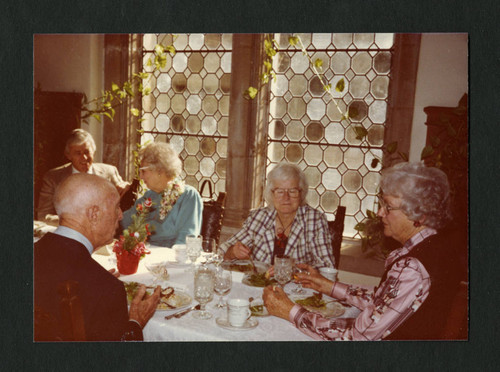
(371, 214)
(360, 226)
(339, 87)
(392, 147)
(403, 155)
(108, 115)
(327, 87)
(159, 49)
(97, 116)
(360, 131)
(171, 49)
(293, 40)
(114, 87)
(251, 92)
(134, 111)
(318, 63)
(426, 152)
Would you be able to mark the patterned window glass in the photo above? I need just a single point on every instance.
(189, 102)
(305, 126)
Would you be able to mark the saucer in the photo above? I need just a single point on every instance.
(249, 324)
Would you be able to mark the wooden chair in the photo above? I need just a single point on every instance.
(337, 229)
(70, 326)
(213, 214)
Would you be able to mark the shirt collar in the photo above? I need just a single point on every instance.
(75, 235)
(74, 170)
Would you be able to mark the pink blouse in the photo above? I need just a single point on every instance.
(382, 308)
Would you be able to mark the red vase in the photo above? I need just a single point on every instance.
(127, 263)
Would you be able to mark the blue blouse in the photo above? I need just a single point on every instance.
(184, 218)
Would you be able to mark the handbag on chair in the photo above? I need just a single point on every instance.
(213, 213)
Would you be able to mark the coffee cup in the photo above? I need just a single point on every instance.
(238, 311)
(329, 273)
(180, 253)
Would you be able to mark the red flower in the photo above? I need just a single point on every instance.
(148, 203)
(147, 230)
(139, 207)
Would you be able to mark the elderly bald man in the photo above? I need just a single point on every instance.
(88, 207)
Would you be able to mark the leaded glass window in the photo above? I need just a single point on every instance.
(305, 125)
(189, 102)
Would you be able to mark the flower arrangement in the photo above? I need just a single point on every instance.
(134, 237)
(170, 195)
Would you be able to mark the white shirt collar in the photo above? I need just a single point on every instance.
(74, 170)
(75, 235)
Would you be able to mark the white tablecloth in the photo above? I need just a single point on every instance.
(188, 328)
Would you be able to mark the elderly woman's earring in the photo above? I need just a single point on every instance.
(417, 224)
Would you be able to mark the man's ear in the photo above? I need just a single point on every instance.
(93, 214)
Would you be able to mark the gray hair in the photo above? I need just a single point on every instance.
(285, 171)
(79, 137)
(80, 191)
(161, 156)
(424, 192)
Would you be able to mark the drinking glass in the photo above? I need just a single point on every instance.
(218, 256)
(204, 281)
(193, 249)
(159, 271)
(298, 289)
(223, 283)
(283, 267)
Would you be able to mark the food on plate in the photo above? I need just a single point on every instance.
(240, 267)
(315, 303)
(312, 301)
(169, 297)
(259, 280)
(258, 308)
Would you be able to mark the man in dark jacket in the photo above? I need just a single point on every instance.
(88, 207)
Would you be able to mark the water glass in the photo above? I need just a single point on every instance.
(204, 281)
(223, 284)
(193, 249)
(283, 267)
(329, 273)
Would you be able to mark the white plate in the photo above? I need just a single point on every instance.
(179, 299)
(332, 309)
(249, 324)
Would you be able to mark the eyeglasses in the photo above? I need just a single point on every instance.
(383, 204)
(293, 193)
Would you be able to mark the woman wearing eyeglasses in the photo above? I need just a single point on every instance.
(287, 225)
(415, 293)
(178, 208)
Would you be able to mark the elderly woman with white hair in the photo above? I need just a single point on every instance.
(177, 207)
(414, 297)
(286, 226)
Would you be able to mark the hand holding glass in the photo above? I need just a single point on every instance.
(283, 267)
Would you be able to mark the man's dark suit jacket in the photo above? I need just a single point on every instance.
(103, 297)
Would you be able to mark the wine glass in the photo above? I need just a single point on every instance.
(283, 267)
(204, 281)
(193, 249)
(223, 283)
(298, 289)
(159, 271)
(218, 256)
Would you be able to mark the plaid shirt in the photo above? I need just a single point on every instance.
(382, 309)
(309, 241)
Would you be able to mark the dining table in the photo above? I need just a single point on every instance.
(189, 328)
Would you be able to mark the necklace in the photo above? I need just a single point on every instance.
(281, 233)
(170, 195)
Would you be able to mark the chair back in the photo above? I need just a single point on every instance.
(213, 213)
(70, 326)
(337, 229)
